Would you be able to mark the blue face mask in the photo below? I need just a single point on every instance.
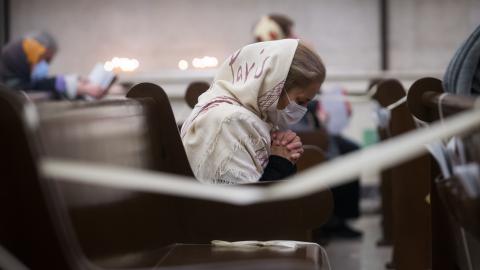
(40, 71)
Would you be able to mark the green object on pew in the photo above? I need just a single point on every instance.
(370, 136)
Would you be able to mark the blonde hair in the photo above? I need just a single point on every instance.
(306, 68)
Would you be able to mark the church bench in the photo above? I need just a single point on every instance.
(455, 214)
(110, 227)
(405, 212)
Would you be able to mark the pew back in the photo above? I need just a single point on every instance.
(194, 90)
(455, 214)
(33, 227)
(408, 186)
(118, 228)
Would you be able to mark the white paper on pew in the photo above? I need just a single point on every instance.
(372, 159)
(256, 244)
(452, 153)
(439, 152)
(456, 151)
(469, 175)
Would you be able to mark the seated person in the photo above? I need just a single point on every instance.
(273, 27)
(332, 112)
(346, 197)
(462, 76)
(24, 66)
(237, 132)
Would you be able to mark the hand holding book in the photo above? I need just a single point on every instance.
(98, 82)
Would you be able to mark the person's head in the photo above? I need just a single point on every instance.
(304, 78)
(259, 76)
(273, 27)
(39, 46)
(28, 57)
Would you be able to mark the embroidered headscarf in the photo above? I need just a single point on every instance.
(227, 135)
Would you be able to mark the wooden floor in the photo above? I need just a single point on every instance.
(363, 253)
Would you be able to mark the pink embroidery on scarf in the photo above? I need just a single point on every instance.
(241, 75)
(233, 58)
(211, 104)
(262, 156)
(258, 74)
(215, 102)
(247, 70)
(270, 96)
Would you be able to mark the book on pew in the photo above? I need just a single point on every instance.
(101, 77)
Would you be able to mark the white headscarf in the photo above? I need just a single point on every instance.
(268, 29)
(227, 135)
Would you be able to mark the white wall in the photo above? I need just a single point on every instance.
(161, 32)
(423, 33)
(426, 33)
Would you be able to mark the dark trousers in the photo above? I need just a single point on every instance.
(346, 197)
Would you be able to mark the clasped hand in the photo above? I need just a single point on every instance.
(286, 144)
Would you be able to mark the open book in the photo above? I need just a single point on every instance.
(101, 77)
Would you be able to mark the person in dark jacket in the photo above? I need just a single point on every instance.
(462, 76)
(24, 65)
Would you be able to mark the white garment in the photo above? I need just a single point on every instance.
(267, 29)
(227, 135)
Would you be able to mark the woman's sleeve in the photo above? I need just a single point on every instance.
(256, 152)
(238, 152)
(240, 149)
(278, 168)
(43, 85)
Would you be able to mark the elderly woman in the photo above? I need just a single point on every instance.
(24, 65)
(236, 133)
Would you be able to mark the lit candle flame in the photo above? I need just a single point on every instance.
(121, 64)
(205, 62)
(183, 64)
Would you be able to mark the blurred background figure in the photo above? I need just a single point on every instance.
(24, 65)
(273, 27)
(331, 114)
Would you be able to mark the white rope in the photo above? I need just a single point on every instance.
(466, 248)
(366, 97)
(397, 103)
(333, 173)
(10, 262)
(439, 105)
(146, 181)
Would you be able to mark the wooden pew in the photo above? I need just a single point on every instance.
(385, 97)
(318, 138)
(410, 214)
(194, 90)
(312, 156)
(75, 223)
(455, 216)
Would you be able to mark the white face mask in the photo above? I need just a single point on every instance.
(292, 114)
